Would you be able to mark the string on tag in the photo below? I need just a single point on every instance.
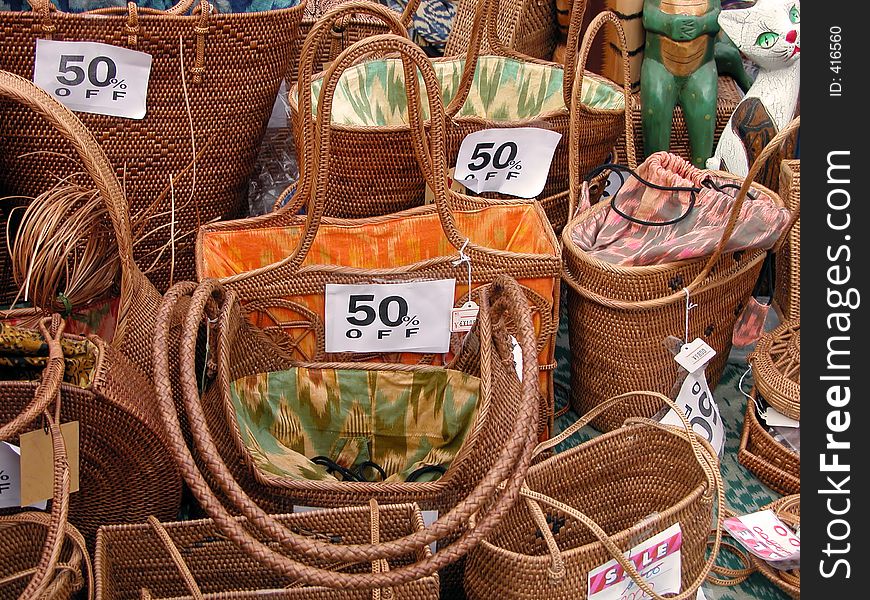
(464, 258)
(689, 306)
(754, 400)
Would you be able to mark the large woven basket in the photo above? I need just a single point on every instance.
(374, 168)
(138, 298)
(125, 470)
(496, 451)
(527, 26)
(773, 463)
(214, 79)
(788, 509)
(619, 316)
(194, 558)
(788, 259)
(776, 368)
(594, 502)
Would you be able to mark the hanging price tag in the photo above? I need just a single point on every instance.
(695, 355)
(93, 77)
(463, 318)
(10, 477)
(767, 537)
(657, 559)
(389, 317)
(513, 161)
(696, 400)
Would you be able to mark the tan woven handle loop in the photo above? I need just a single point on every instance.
(482, 14)
(97, 166)
(769, 151)
(726, 577)
(704, 459)
(509, 468)
(307, 58)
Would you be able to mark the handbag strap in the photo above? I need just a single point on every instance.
(696, 284)
(705, 458)
(495, 493)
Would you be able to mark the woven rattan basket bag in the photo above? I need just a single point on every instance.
(593, 503)
(42, 555)
(280, 264)
(496, 450)
(138, 300)
(620, 315)
(527, 26)
(214, 79)
(502, 89)
(788, 259)
(125, 470)
(788, 509)
(193, 558)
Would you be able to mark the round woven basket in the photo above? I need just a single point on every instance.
(776, 367)
(774, 464)
(788, 509)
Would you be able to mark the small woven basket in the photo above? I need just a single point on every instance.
(776, 367)
(775, 465)
(788, 259)
(788, 509)
(193, 558)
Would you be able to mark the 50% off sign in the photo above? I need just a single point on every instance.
(389, 317)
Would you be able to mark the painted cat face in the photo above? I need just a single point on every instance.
(768, 33)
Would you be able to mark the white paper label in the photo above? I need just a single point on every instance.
(513, 161)
(389, 317)
(774, 418)
(696, 400)
(463, 318)
(93, 77)
(695, 355)
(767, 537)
(658, 561)
(10, 477)
(518, 357)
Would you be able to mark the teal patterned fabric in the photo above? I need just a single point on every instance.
(743, 492)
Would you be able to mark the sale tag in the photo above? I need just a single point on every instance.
(37, 462)
(389, 317)
(514, 161)
(774, 418)
(10, 477)
(695, 355)
(767, 537)
(696, 400)
(93, 77)
(463, 318)
(657, 560)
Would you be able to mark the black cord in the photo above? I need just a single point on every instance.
(416, 474)
(708, 182)
(367, 464)
(333, 467)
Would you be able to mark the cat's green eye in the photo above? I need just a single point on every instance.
(794, 14)
(767, 39)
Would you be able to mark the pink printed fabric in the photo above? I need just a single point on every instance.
(614, 239)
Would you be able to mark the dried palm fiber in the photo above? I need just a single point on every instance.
(214, 79)
(42, 555)
(193, 558)
(788, 509)
(125, 470)
(620, 315)
(588, 505)
(527, 26)
(218, 470)
(279, 264)
(776, 368)
(343, 33)
(729, 96)
(138, 299)
(788, 259)
(776, 465)
(500, 89)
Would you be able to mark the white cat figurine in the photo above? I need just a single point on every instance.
(769, 34)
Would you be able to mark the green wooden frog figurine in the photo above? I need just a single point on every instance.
(679, 67)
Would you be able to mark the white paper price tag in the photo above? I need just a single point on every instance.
(464, 317)
(389, 317)
(695, 355)
(513, 161)
(696, 400)
(10, 477)
(657, 559)
(517, 353)
(774, 418)
(93, 77)
(767, 537)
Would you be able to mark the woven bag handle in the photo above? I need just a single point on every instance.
(97, 166)
(482, 15)
(573, 86)
(495, 493)
(769, 151)
(706, 460)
